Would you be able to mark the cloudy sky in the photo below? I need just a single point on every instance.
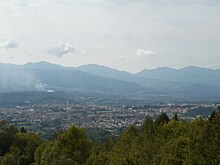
(125, 34)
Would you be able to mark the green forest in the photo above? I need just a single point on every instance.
(162, 141)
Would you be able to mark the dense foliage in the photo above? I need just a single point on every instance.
(162, 141)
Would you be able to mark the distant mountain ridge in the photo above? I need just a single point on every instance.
(189, 74)
(46, 76)
(42, 75)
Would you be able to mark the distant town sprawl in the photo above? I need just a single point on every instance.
(45, 119)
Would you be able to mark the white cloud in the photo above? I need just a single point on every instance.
(83, 51)
(7, 44)
(61, 49)
(122, 58)
(144, 53)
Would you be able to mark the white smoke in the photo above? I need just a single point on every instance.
(14, 79)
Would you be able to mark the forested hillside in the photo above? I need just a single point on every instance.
(163, 141)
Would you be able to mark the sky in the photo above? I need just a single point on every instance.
(127, 35)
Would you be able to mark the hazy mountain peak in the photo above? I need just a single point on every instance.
(165, 68)
(101, 70)
(97, 66)
(159, 69)
(43, 65)
(195, 68)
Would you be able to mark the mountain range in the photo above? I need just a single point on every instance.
(43, 76)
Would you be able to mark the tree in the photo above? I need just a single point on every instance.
(125, 150)
(162, 119)
(23, 147)
(71, 145)
(211, 139)
(7, 136)
(175, 151)
(23, 130)
(175, 117)
(148, 126)
(8, 160)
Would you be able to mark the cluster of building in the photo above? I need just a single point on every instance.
(44, 118)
